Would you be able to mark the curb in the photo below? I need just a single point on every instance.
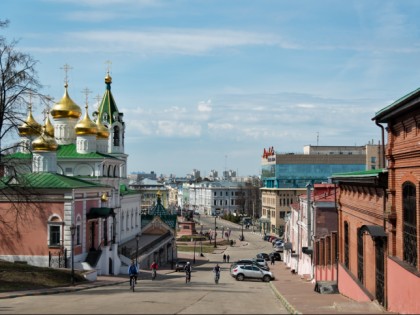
(289, 307)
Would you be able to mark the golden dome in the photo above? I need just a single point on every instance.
(103, 132)
(44, 142)
(30, 127)
(66, 108)
(49, 128)
(86, 126)
(108, 78)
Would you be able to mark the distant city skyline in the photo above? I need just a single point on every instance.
(210, 84)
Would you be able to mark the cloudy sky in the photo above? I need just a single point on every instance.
(208, 84)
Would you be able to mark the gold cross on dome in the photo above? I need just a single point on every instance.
(66, 69)
(86, 91)
(109, 63)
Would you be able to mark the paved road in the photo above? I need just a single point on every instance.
(168, 294)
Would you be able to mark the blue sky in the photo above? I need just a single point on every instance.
(209, 84)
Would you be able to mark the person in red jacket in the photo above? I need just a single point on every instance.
(154, 268)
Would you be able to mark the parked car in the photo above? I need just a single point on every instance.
(261, 262)
(279, 248)
(278, 242)
(275, 239)
(266, 237)
(180, 265)
(249, 262)
(241, 272)
(276, 255)
(263, 256)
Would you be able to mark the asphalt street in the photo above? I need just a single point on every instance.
(168, 294)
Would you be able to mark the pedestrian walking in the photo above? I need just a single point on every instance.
(224, 257)
(227, 258)
(272, 260)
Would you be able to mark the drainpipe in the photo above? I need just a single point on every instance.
(383, 142)
(309, 218)
(338, 236)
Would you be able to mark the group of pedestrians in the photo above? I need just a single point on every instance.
(226, 258)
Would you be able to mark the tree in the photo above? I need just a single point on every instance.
(18, 82)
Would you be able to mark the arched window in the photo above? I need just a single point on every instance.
(78, 230)
(360, 262)
(346, 244)
(409, 224)
(55, 230)
(116, 137)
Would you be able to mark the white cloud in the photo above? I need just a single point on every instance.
(204, 106)
(168, 40)
(305, 105)
(177, 129)
(220, 126)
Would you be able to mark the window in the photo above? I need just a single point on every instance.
(409, 224)
(78, 230)
(78, 234)
(54, 235)
(373, 159)
(346, 244)
(116, 137)
(54, 231)
(360, 265)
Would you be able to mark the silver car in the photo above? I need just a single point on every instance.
(241, 272)
(261, 262)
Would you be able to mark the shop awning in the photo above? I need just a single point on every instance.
(102, 212)
(288, 246)
(374, 230)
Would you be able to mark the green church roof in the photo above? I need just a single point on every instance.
(69, 151)
(108, 107)
(46, 180)
(64, 151)
(160, 211)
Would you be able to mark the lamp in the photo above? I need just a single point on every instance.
(194, 251)
(104, 197)
(137, 248)
(215, 233)
(72, 231)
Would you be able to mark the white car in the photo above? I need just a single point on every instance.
(261, 262)
(240, 272)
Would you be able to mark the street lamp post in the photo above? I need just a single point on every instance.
(137, 248)
(242, 236)
(201, 240)
(72, 231)
(172, 261)
(194, 251)
(215, 233)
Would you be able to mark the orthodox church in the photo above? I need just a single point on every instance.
(66, 190)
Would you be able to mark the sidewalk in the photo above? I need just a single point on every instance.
(299, 297)
(100, 282)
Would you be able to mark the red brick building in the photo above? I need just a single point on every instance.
(362, 239)
(379, 217)
(402, 119)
